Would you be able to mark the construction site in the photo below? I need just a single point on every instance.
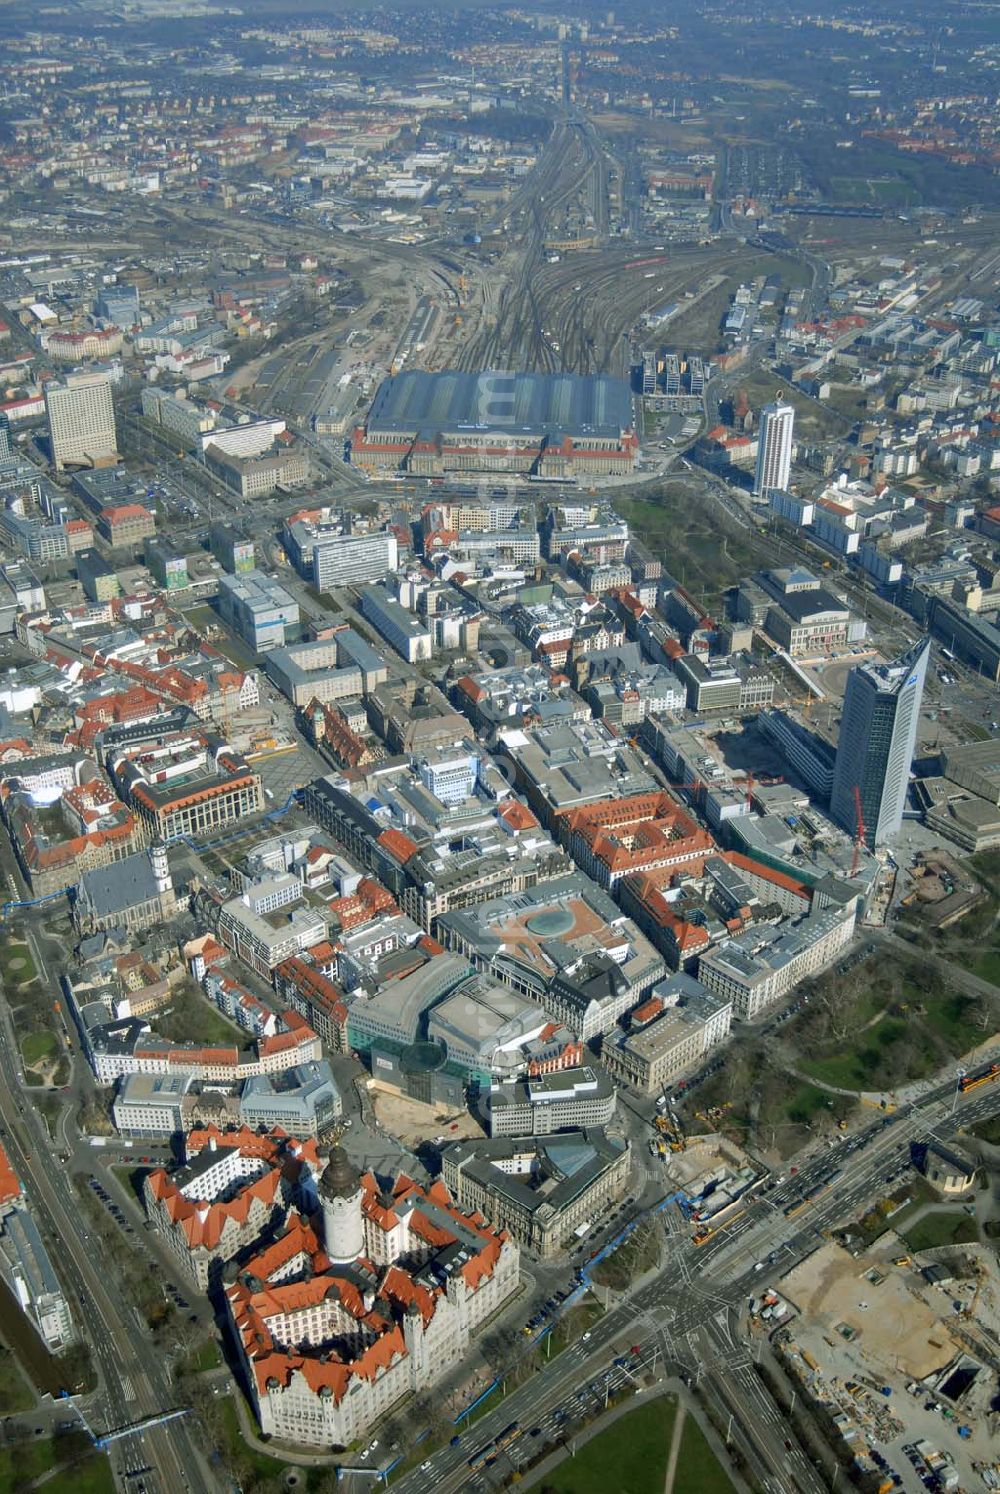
(902, 1352)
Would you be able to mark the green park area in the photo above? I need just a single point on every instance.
(253, 1470)
(191, 1018)
(872, 1027)
(942, 1227)
(636, 1447)
(37, 1046)
(17, 966)
(914, 1211)
(15, 1393)
(707, 552)
(698, 1468)
(65, 1464)
(637, 1254)
(884, 1023)
(987, 1130)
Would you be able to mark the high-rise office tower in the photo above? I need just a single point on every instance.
(81, 416)
(878, 732)
(774, 447)
(6, 446)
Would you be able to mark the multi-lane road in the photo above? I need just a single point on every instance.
(690, 1311)
(134, 1382)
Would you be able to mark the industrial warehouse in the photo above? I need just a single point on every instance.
(560, 426)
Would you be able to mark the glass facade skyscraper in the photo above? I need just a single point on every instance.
(878, 732)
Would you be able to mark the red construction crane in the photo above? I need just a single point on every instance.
(859, 836)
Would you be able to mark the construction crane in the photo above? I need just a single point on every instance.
(860, 832)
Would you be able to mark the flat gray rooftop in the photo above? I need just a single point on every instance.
(596, 405)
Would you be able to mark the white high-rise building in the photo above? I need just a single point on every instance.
(81, 415)
(774, 447)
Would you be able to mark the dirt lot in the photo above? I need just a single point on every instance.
(892, 1321)
(412, 1122)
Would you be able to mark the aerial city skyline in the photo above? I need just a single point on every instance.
(500, 752)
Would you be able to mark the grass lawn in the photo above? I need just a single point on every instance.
(898, 1023)
(491, 1402)
(634, 1256)
(38, 1045)
(635, 1447)
(807, 1101)
(987, 966)
(988, 1130)
(14, 1392)
(16, 964)
(949, 1018)
(24, 1462)
(950, 1227)
(570, 1326)
(856, 1069)
(235, 1450)
(191, 1018)
(697, 1468)
(704, 552)
(92, 1475)
(205, 1358)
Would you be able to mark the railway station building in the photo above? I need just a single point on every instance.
(558, 426)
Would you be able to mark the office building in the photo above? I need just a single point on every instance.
(878, 732)
(259, 609)
(186, 784)
(668, 1034)
(81, 416)
(774, 447)
(329, 558)
(226, 1195)
(99, 580)
(166, 565)
(537, 1105)
(304, 1101)
(256, 476)
(759, 966)
(408, 637)
(309, 671)
(233, 551)
(265, 937)
(543, 1189)
(25, 1266)
(58, 837)
(125, 525)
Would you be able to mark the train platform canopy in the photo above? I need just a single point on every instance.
(420, 403)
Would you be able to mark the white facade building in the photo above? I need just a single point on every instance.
(81, 417)
(762, 964)
(387, 1330)
(774, 447)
